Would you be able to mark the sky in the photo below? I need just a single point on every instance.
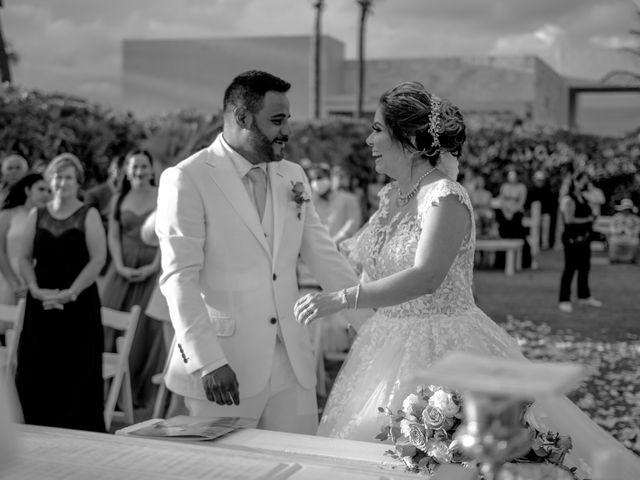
(75, 45)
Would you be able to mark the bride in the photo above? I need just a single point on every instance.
(416, 257)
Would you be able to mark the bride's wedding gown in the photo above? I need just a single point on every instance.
(398, 341)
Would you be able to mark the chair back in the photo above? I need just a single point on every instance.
(126, 322)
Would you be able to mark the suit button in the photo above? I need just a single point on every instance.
(273, 320)
(274, 276)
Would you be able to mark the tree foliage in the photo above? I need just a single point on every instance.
(39, 126)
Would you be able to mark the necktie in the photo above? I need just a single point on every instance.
(259, 181)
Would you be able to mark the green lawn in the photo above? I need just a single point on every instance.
(533, 295)
(606, 339)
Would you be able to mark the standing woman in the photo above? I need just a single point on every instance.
(59, 374)
(30, 191)
(576, 238)
(135, 267)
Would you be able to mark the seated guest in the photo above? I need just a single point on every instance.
(59, 372)
(510, 226)
(513, 193)
(481, 199)
(625, 233)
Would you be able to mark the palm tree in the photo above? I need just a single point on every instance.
(365, 9)
(5, 71)
(317, 58)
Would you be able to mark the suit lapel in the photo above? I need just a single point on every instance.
(227, 179)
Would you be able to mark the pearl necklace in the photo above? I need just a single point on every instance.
(404, 199)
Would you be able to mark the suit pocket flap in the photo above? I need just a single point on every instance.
(225, 326)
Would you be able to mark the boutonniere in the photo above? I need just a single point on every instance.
(300, 195)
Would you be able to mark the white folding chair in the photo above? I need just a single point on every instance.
(13, 314)
(115, 366)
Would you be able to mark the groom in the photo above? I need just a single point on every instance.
(231, 224)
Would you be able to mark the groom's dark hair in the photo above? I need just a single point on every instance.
(249, 88)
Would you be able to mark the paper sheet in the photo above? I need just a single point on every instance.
(72, 458)
(190, 427)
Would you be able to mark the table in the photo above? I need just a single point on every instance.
(52, 453)
(512, 248)
(46, 453)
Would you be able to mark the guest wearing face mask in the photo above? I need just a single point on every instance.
(340, 212)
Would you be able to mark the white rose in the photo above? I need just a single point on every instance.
(405, 427)
(413, 405)
(444, 401)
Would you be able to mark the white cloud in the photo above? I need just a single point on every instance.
(547, 42)
(70, 42)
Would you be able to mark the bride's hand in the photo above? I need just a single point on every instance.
(317, 305)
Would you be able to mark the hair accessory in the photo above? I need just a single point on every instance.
(355, 307)
(434, 120)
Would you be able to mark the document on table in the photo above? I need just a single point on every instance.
(71, 457)
(191, 428)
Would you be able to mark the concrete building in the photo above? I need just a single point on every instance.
(169, 75)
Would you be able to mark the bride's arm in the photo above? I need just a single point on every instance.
(444, 227)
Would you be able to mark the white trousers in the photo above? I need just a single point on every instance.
(283, 405)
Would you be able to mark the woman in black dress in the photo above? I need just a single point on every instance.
(59, 373)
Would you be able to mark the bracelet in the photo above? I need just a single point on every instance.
(343, 295)
(357, 297)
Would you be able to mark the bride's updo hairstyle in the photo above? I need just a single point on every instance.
(409, 110)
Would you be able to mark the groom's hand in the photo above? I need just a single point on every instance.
(221, 386)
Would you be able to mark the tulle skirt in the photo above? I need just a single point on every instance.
(380, 372)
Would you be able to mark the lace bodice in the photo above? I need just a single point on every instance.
(388, 245)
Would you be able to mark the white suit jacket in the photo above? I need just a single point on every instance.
(226, 292)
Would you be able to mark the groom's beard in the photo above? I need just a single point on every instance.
(265, 147)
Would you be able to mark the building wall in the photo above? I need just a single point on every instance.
(472, 83)
(169, 75)
(552, 94)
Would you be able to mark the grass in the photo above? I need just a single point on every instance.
(533, 295)
(606, 339)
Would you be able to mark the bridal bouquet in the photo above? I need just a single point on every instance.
(427, 423)
(424, 432)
